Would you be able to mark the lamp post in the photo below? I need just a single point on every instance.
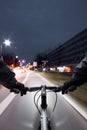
(6, 42)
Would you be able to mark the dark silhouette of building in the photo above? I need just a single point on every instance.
(71, 52)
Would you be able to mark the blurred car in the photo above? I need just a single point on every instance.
(19, 69)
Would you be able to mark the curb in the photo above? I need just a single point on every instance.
(75, 104)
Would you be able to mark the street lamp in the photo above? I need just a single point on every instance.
(6, 42)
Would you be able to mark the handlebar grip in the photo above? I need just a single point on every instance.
(55, 89)
(58, 89)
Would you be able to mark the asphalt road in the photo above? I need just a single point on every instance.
(21, 113)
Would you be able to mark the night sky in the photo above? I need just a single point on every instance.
(35, 26)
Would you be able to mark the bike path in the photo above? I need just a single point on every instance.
(75, 104)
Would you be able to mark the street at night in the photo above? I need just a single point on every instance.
(21, 113)
(43, 43)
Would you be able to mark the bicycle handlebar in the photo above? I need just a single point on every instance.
(53, 88)
(32, 89)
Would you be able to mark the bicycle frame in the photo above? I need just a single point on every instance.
(44, 120)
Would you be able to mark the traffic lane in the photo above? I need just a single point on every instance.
(20, 115)
(20, 76)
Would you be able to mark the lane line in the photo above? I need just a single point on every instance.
(81, 109)
(4, 104)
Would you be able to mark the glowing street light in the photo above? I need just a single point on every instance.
(7, 42)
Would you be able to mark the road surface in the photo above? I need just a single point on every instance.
(21, 113)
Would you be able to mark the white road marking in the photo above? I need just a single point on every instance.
(81, 109)
(4, 104)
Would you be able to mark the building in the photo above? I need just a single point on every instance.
(70, 53)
